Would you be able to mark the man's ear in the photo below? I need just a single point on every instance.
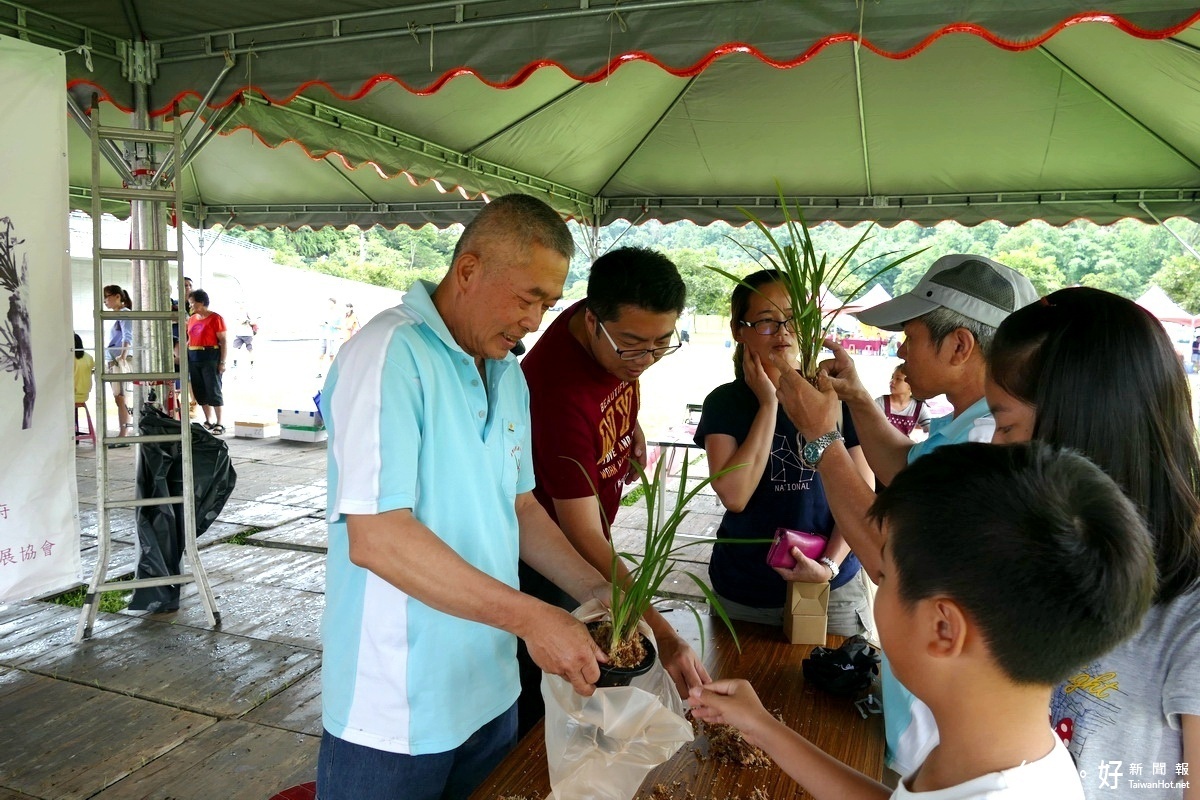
(947, 627)
(961, 346)
(466, 267)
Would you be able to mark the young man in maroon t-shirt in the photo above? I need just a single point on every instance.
(583, 400)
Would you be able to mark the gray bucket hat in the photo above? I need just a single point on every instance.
(976, 287)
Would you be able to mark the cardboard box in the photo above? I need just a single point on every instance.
(255, 430)
(806, 616)
(310, 419)
(303, 433)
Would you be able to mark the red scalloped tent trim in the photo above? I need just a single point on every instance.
(458, 189)
(699, 66)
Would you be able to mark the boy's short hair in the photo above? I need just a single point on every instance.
(634, 276)
(1043, 551)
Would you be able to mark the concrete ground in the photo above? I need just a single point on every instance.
(162, 705)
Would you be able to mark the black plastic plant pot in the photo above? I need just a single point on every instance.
(623, 676)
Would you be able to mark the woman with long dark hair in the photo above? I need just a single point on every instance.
(1095, 372)
(119, 353)
(84, 364)
(741, 424)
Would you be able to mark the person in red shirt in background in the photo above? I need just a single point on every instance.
(583, 400)
(206, 359)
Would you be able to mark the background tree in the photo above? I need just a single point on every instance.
(1042, 271)
(1180, 279)
(1125, 257)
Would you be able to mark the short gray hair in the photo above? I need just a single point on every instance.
(942, 322)
(520, 220)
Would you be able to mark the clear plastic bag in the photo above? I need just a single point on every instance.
(602, 747)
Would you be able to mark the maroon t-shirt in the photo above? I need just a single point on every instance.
(580, 411)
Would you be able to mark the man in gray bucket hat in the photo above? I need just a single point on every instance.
(948, 319)
(978, 289)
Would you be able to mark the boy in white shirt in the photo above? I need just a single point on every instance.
(1004, 568)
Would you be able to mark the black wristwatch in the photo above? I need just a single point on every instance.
(812, 452)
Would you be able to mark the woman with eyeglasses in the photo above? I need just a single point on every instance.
(742, 424)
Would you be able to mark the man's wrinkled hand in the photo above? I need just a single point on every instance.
(840, 375)
(813, 412)
(561, 645)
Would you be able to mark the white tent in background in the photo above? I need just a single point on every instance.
(1156, 301)
(874, 297)
(831, 302)
(844, 320)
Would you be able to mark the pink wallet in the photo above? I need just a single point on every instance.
(780, 554)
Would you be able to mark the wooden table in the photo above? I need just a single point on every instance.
(773, 667)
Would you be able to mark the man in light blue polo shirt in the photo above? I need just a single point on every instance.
(948, 319)
(430, 507)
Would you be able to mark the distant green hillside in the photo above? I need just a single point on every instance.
(1124, 258)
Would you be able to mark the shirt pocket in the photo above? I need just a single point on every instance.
(514, 441)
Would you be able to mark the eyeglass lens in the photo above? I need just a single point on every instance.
(656, 352)
(769, 327)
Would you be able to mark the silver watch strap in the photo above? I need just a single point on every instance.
(833, 566)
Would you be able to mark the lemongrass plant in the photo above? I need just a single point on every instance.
(632, 598)
(808, 276)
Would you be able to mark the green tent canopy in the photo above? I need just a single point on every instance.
(888, 110)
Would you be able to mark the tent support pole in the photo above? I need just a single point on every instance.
(107, 149)
(229, 62)
(346, 178)
(633, 224)
(389, 23)
(316, 111)
(1177, 237)
(862, 117)
(148, 232)
(168, 163)
(215, 124)
(593, 239)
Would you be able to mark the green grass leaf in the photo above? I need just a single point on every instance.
(808, 276)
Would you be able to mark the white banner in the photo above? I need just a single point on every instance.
(39, 508)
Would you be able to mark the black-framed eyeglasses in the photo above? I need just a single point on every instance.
(770, 327)
(633, 355)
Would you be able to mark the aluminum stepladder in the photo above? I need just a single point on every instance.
(168, 192)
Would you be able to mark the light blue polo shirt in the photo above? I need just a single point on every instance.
(412, 426)
(976, 424)
(907, 722)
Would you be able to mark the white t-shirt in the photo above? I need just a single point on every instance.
(1050, 778)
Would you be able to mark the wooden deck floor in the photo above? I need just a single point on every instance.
(160, 705)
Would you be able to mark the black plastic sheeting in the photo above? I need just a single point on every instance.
(160, 528)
